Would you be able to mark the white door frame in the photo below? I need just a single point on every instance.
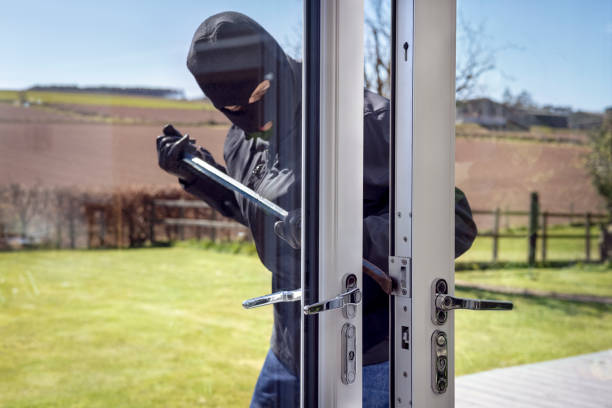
(422, 231)
(339, 183)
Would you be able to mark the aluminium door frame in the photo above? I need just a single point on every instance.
(422, 223)
(332, 194)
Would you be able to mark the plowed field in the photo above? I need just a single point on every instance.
(89, 155)
(148, 115)
(503, 173)
(54, 148)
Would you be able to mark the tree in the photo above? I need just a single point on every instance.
(599, 162)
(523, 100)
(377, 72)
(475, 56)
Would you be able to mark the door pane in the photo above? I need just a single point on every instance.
(86, 91)
(532, 154)
(376, 203)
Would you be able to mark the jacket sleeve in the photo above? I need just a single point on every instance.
(376, 232)
(217, 196)
(465, 227)
(376, 190)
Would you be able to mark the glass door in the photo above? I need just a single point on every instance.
(209, 205)
(428, 213)
(332, 197)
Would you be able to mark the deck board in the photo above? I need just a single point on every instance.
(580, 381)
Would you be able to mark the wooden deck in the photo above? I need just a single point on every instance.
(581, 381)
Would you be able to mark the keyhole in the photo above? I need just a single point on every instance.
(405, 51)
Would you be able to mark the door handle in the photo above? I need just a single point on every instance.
(442, 303)
(448, 302)
(276, 297)
(352, 297)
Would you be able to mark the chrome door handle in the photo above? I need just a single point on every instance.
(276, 297)
(352, 297)
(442, 303)
(448, 302)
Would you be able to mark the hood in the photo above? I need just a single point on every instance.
(230, 55)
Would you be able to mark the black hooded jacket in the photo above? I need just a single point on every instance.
(227, 70)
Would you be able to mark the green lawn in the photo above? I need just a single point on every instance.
(515, 249)
(164, 327)
(578, 279)
(105, 100)
(148, 328)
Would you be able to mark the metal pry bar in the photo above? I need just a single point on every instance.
(220, 177)
(201, 167)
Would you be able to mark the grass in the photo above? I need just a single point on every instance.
(578, 279)
(156, 327)
(536, 134)
(515, 249)
(164, 327)
(538, 329)
(51, 98)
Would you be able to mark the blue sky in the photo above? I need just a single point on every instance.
(558, 50)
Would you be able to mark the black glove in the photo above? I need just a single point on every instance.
(290, 230)
(171, 148)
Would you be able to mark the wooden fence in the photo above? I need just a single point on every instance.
(212, 224)
(538, 230)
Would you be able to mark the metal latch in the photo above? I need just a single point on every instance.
(276, 297)
(442, 302)
(346, 301)
(400, 271)
(349, 353)
(439, 359)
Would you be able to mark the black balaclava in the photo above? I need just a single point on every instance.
(230, 55)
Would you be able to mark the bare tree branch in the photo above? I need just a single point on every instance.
(475, 56)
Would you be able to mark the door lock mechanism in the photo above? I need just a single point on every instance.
(349, 353)
(439, 360)
(442, 303)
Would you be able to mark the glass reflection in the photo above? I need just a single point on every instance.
(246, 75)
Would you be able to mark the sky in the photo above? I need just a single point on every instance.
(558, 50)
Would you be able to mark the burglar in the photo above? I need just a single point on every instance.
(248, 77)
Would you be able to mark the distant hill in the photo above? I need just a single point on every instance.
(154, 92)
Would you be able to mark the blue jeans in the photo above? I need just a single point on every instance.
(277, 388)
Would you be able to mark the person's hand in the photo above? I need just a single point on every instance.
(171, 148)
(290, 230)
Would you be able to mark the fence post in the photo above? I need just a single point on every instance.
(71, 226)
(507, 218)
(119, 221)
(496, 235)
(588, 236)
(181, 227)
(544, 234)
(152, 223)
(213, 230)
(198, 229)
(102, 228)
(533, 228)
